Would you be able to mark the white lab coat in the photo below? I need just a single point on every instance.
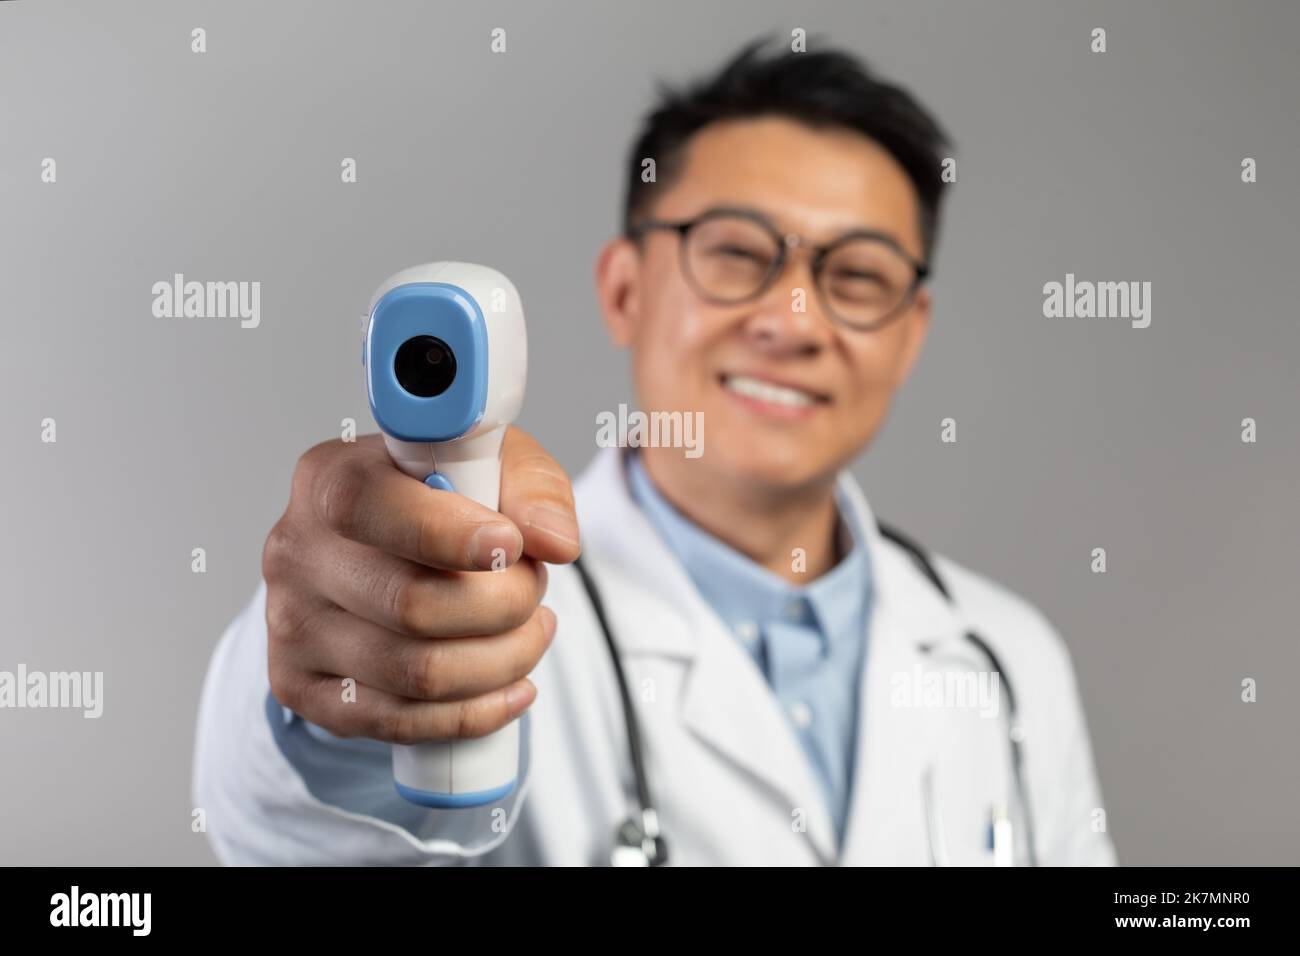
(730, 779)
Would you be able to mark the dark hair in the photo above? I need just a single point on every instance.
(820, 89)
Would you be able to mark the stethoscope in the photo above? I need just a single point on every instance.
(639, 841)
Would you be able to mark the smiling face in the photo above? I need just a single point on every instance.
(788, 397)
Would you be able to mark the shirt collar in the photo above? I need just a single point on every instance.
(740, 590)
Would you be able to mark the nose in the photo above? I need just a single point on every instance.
(788, 320)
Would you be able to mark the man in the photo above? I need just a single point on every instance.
(802, 686)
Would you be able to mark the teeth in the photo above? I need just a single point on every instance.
(766, 391)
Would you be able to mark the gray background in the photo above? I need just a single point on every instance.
(175, 433)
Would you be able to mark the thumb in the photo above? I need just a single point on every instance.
(537, 496)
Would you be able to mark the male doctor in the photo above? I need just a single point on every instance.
(797, 677)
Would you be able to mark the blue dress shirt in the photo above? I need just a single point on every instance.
(807, 640)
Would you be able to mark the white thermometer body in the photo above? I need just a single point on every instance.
(446, 359)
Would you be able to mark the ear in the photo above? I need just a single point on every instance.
(618, 269)
(916, 326)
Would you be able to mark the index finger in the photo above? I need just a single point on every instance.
(358, 493)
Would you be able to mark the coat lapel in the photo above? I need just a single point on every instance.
(897, 746)
(655, 609)
(725, 701)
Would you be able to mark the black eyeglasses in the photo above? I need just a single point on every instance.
(864, 278)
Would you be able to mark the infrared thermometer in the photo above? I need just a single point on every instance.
(446, 358)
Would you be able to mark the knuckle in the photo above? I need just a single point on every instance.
(307, 468)
(506, 601)
(545, 474)
(280, 549)
(394, 724)
(428, 677)
(320, 454)
(401, 600)
(532, 649)
(338, 495)
(284, 614)
(284, 688)
(524, 598)
(306, 465)
(472, 720)
(526, 649)
(536, 461)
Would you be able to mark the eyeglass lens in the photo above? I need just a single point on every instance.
(731, 258)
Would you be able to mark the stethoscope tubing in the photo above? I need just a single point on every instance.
(655, 847)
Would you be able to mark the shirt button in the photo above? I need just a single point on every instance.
(801, 714)
(794, 611)
(747, 631)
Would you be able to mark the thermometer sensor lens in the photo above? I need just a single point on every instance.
(425, 366)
